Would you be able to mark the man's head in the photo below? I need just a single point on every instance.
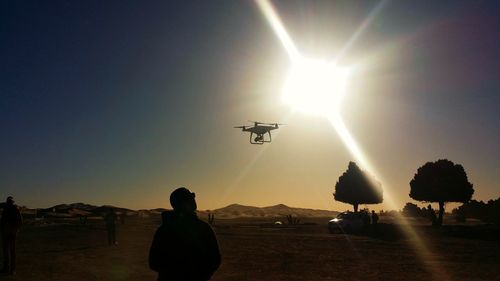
(182, 200)
(10, 200)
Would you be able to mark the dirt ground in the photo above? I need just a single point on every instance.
(253, 250)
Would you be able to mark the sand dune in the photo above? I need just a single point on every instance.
(230, 211)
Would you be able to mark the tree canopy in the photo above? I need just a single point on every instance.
(412, 210)
(441, 181)
(357, 187)
(487, 212)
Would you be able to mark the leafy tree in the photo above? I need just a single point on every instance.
(412, 210)
(487, 212)
(357, 187)
(441, 181)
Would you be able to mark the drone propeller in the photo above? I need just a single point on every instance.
(240, 127)
(263, 123)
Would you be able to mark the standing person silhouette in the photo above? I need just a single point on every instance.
(184, 247)
(432, 215)
(110, 220)
(374, 217)
(9, 225)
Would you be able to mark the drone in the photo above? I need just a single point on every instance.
(260, 130)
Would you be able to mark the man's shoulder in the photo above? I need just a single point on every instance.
(167, 216)
(167, 213)
(203, 225)
(11, 207)
(202, 222)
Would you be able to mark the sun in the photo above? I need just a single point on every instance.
(315, 86)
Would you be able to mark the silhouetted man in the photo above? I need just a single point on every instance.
(110, 220)
(432, 215)
(184, 247)
(9, 225)
(374, 218)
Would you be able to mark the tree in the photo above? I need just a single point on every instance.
(441, 181)
(487, 212)
(357, 187)
(412, 210)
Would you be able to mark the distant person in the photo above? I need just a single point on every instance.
(9, 225)
(366, 218)
(184, 247)
(374, 218)
(83, 219)
(110, 220)
(432, 215)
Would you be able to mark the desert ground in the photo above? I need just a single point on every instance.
(254, 249)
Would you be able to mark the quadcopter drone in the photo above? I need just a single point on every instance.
(260, 130)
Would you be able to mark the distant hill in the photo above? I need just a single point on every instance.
(231, 211)
(81, 209)
(280, 210)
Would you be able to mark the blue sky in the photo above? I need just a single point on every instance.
(120, 102)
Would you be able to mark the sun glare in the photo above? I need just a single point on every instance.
(315, 86)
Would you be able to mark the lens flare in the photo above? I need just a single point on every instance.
(317, 87)
(274, 20)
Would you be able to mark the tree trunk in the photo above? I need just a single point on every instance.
(355, 207)
(441, 212)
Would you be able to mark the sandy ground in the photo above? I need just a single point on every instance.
(254, 251)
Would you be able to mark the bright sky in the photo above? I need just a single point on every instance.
(121, 102)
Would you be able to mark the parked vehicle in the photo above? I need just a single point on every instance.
(349, 222)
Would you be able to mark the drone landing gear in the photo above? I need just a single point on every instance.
(259, 139)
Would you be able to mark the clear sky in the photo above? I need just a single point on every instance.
(120, 102)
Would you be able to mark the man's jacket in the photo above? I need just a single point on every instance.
(11, 219)
(184, 248)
